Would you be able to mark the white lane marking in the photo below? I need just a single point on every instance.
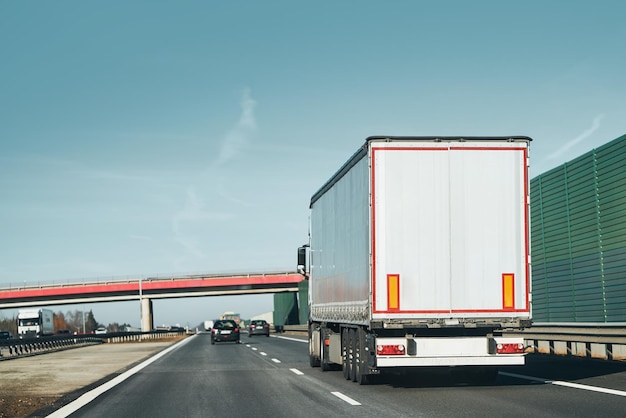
(567, 384)
(296, 371)
(87, 397)
(294, 339)
(254, 348)
(265, 354)
(345, 398)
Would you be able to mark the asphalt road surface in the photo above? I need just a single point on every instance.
(271, 377)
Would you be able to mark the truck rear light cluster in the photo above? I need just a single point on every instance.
(507, 348)
(390, 350)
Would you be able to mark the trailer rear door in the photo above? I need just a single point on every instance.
(449, 228)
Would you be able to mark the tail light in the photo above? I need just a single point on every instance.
(236, 329)
(252, 326)
(390, 350)
(508, 348)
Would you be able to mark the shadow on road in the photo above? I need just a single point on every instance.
(539, 366)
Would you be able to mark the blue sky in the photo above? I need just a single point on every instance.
(151, 138)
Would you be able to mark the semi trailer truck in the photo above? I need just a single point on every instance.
(34, 323)
(418, 256)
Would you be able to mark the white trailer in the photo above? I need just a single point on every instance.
(35, 323)
(419, 256)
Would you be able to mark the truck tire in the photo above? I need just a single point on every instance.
(360, 358)
(352, 356)
(345, 343)
(324, 364)
(313, 361)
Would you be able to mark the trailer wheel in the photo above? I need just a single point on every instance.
(360, 358)
(352, 356)
(345, 343)
(313, 361)
(324, 351)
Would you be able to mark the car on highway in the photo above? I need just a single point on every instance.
(101, 330)
(6, 335)
(259, 327)
(225, 330)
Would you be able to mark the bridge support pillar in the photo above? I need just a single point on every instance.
(146, 315)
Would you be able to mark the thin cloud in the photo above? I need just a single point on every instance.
(221, 190)
(586, 134)
(194, 212)
(237, 139)
(232, 144)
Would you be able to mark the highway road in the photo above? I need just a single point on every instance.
(271, 377)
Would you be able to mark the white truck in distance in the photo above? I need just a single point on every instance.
(419, 257)
(34, 323)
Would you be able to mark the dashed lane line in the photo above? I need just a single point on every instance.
(292, 339)
(340, 395)
(346, 398)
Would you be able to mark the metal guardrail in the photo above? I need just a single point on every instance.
(601, 342)
(15, 348)
(127, 337)
(614, 335)
(28, 347)
(296, 329)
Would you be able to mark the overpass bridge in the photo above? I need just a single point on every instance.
(146, 289)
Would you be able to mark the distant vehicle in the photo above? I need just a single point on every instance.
(259, 327)
(128, 328)
(6, 335)
(177, 328)
(231, 315)
(225, 330)
(35, 323)
(208, 324)
(101, 330)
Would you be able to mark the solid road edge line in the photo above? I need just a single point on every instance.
(87, 397)
(567, 384)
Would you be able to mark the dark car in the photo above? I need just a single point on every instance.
(225, 330)
(259, 327)
(6, 335)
